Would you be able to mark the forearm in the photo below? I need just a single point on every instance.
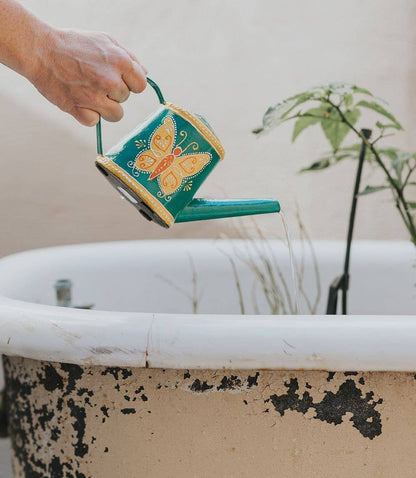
(86, 74)
(21, 38)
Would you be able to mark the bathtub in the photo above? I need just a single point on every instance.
(143, 386)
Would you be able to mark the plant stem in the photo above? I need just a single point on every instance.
(401, 202)
(238, 285)
(406, 179)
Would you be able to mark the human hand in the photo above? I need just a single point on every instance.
(86, 74)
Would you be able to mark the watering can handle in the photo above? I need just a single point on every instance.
(98, 126)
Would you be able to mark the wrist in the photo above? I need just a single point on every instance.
(22, 38)
(33, 63)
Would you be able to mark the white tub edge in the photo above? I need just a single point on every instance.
(337, 343)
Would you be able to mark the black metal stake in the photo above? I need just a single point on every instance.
(342, 282)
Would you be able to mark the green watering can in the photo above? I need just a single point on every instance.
(160, 165)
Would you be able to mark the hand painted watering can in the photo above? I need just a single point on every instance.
(160, 165)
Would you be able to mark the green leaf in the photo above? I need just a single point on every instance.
(302, 97)
(380, 110)
(411, 204)
(363, 91)
(385, 126)
(317, 165)
(391, 153)
(308, 118)
(353, 147)
(317, 92)
(398, 160)
(351, 152)
(341, 89)
(352, 115)
(340, 157)
(348, 100)
(335, 129)
(372, 189)
(275, 115)
(399, 163)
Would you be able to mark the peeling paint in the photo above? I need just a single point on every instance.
(74, 374)
(230, 383)
(51, 379)
(227, 383)
(79, 414)
(116, 371)
(334, 406)
(252, 381)
(198, 386)
(62, 407)
(331, 375)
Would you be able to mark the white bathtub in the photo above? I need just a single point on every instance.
(88, 388)
(148, 320)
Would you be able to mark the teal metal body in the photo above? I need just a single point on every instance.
(161, 164)
(203, 209)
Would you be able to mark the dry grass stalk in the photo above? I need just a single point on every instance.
(260, 257)
(193, 297)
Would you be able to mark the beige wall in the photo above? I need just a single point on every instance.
(228, 60)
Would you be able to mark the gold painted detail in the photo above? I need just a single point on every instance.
(167, 162)
(200, 126)
(141, 143)
(142, 192)
(188, 186)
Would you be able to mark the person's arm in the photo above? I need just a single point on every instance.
(86, 74)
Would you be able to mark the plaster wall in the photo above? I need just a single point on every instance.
(228, 60)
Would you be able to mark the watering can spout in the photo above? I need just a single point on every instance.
(203, 209)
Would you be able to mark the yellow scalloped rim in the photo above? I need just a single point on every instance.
(142, 192)
(200, 126)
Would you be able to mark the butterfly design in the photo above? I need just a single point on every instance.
(166, 162)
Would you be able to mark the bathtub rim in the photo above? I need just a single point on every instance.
(229, 342)
(186, 341)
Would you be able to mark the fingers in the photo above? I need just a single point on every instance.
(86, 116)
(131, 55)
(118, 74)
(109, 106)
(111, 110)
(120, 93)
(135, 60)
(135, 77)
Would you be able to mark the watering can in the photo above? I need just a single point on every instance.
(159, 166)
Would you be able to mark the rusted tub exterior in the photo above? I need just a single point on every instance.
(73, 421)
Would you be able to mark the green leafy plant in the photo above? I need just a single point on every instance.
(337, 108)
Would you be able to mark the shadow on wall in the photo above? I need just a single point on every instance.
(55, 196)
